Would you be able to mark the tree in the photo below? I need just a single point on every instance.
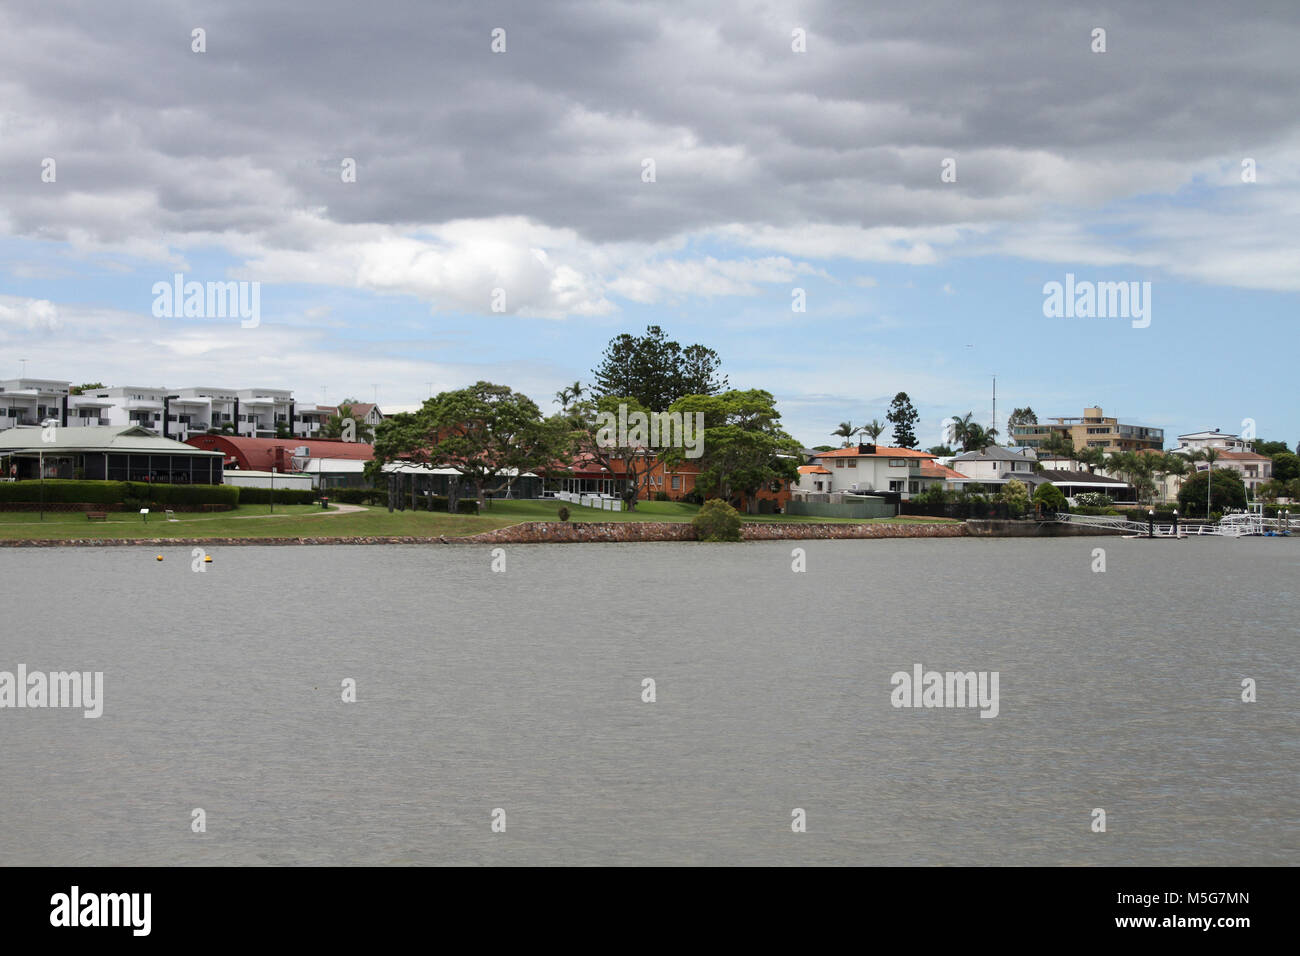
(1022, 416)
(655, 371)
(1016, 496)
(1286, 466)
(903, 417)
(1049, 497)
(978, 437)
(487, 432)
(717, 521)
(1270, 448)
(823, 447)
(335, 426)
(592, 441)
(940, 451)
(959, 429)
(873, 430)
(744, 448)
(1226, 490)
(89, 387)
(1060, 443)
(568, 395)
(845, 431)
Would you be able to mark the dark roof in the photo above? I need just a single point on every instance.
(1060, 477)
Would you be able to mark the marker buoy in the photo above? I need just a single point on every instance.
(207, 558)
(160, 557)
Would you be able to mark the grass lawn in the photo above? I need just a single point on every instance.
(294, 521)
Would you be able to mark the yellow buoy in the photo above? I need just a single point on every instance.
(207, 558)
(160, 557)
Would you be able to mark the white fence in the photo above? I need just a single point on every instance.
(599, 502)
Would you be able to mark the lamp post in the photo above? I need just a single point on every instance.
(1151, 523)
(1175, 522)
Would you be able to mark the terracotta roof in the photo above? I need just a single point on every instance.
(262, 454)
(813, 470)
(931, 469)
(1243, 456)
(882, 451)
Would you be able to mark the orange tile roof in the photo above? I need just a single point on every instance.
(813, 470)
(1243, 456)
(882, 451)
(933, 470)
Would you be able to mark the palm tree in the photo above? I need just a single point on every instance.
(571, 394)
(961, 425)
(873, 428)
(1172, 466)
(1059, 444)
(978, 437)
(1093, 457)
(845, 431)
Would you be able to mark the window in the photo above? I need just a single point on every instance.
(896, 463)
(912, 487)
(853, 463)
(839, 462)
(896, 486)
(677, 482)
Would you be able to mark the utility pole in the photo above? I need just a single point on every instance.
(994, 425)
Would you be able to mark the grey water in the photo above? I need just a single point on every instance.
(521, 691)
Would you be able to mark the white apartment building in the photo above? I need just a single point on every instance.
(176, 413)
(30, 401)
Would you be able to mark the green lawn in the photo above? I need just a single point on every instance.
(294, 521)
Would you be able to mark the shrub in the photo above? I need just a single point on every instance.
(358, 496)
(1049, 497)
(1094, 499)
(662, 496)
(138, 493)
(283, 496)
(465, 506)
(564, 513)
(1016, 496)
(717, 521)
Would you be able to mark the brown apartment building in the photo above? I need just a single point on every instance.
(1092, 430)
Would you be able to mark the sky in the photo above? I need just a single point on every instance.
(916, 173)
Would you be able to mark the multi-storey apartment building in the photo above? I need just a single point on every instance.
(1092, 430)
(1234, 452)
(30, 401)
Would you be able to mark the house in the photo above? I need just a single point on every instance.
(99, 452)
(866, 468)
(1234, 452)
(1073, 483)
(996, 465)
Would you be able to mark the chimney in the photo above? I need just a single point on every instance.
(865, 448)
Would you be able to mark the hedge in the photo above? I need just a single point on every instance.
(117, 492)
(283, 496)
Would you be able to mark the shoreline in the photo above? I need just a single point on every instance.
(599, 532)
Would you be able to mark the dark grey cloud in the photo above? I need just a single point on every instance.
(742, 129)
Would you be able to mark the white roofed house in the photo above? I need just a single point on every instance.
(1234, 452)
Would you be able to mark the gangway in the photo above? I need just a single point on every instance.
(1124, 526)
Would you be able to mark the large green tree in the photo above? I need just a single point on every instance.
(1285, 466)
(627, 455)
(655, 370)
(489, 433)
(1227, 491)
(902, 415)
(744, 447)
